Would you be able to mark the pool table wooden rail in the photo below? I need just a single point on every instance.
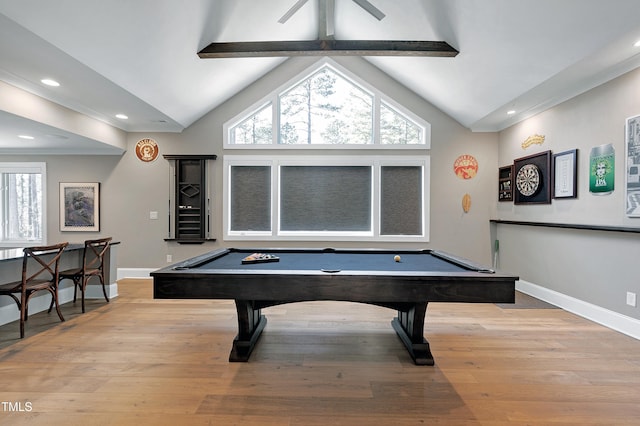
(407, 292)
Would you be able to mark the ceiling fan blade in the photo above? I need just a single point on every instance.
(291, 11)
(326, 19)
(374, 11)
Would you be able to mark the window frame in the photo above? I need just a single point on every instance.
(379, 98)
(275, 162)
(25, 167)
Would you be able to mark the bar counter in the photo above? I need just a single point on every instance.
(11, 270)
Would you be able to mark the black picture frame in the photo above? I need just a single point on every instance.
(565, 174)
(542, 195)
(505, 183)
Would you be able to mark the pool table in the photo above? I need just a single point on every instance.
(372, 276)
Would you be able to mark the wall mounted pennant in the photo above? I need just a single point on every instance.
(533, 140)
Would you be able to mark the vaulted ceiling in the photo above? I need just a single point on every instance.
(140, 58)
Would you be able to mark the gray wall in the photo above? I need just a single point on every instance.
(596, 267)
(131, 189)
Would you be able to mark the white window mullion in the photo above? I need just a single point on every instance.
(376, 121)
(426, 196)
(275, 198)
(375, 198)
(275, 129)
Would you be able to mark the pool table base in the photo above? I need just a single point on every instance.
(409, 325)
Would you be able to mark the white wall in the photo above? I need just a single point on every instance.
(131, 189)
(134, 188)
(594, 267)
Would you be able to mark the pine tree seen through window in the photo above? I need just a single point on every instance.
(22, 198)
(326, 108)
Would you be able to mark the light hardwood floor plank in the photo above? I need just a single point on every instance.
(138, 361)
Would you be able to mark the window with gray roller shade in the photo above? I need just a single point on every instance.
(325, 198)
(401, 200)
(251, 198)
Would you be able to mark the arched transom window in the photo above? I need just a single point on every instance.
(327, 107)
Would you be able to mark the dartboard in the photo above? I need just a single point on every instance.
(528, 180)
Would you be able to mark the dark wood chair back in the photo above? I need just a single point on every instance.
(40, 271)
(93, 255)
(93, 263)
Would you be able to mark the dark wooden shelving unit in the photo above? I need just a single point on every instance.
(190, 206)
(505, 183)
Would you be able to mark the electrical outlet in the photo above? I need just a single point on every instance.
(169, 258)
(153, 215)
(631, 299)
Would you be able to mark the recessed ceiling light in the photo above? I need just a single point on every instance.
(25, 137)
(511, 112)
(637, 43)
(50, 82)
(122, 116)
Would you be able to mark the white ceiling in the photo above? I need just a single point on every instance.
(140, 58)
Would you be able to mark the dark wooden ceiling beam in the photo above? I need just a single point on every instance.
(327, 47)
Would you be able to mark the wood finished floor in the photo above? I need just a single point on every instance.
(137, 361)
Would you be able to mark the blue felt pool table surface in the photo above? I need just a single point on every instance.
(332, 261)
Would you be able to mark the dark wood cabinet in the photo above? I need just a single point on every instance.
(505, 183)
(190, 199)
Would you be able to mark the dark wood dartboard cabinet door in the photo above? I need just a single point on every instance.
(191, 209)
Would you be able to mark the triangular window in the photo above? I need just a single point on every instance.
(325, 107)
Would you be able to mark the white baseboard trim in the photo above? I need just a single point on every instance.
(134, 273)
(613, 320)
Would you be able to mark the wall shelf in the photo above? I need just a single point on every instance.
(569, 226)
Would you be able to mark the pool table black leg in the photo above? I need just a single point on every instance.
(409, 326)
(251, 322)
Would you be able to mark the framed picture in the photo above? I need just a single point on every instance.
(632, 145)
(565, 176)
(79, 206)
(532, 179)
(505, 183)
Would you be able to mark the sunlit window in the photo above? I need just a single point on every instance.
(397, 129)
(370, 186)
(22, 204)
(326, 108)
(256, 129)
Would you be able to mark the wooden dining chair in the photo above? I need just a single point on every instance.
(39, 272)
(92, 266)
